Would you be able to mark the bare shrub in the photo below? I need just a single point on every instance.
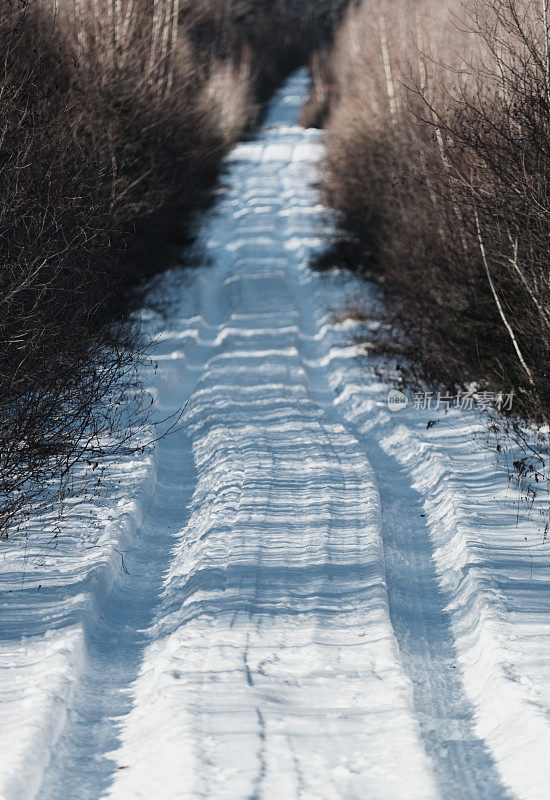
(228, 90)
(438, 162)
(114, 117)
(439, 165)
(56, 365)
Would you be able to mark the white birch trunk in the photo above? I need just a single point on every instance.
(387, 67)
(163, 55)
(499, 304)
(155, 35)
(80, 32)
(173, 45)
(127, 25)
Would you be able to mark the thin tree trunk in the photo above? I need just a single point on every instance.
(546, 50)
(166, 28)
(128, 21)
(155, 34)
(173, 45)
(117, 22)
(80, 32)
(113, 22)
(499, 304)
(439, 138)
(387, 67)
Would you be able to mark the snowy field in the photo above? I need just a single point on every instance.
(300, 594)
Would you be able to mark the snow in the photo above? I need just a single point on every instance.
(325, 600)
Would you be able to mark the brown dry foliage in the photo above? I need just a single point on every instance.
(439, 162)
(114, 117)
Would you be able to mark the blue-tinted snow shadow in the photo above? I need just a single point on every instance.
(81, 768)
(463, 766)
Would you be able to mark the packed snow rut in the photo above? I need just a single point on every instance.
(275, 621)
(288, 628)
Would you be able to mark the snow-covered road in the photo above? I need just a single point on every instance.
(325, 601)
